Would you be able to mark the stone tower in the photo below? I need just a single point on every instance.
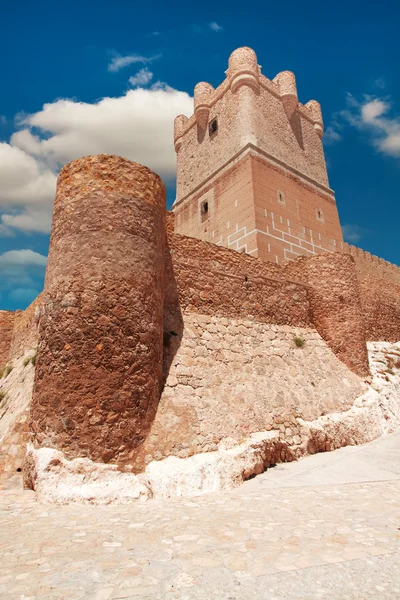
(251, 172)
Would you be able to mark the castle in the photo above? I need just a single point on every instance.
(239, 318)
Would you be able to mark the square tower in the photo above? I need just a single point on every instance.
(251, 172)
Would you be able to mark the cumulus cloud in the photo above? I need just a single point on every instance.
(142, 78)
(137, 125)
(119, 62)
(23, 257)
(373, 117)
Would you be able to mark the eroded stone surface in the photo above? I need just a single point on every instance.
(56, 479)
(16, 396)
(99, 367)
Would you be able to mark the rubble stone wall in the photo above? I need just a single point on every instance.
(335, 299)
(380, 295)
(26, 329)
(230, 377)
(99, 368)
(7, 319)
(216, 281)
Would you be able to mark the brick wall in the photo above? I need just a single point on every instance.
(7, 319)
(292, 217)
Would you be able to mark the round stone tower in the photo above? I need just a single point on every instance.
(99, 363)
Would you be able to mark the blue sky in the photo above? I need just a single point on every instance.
(86, 77)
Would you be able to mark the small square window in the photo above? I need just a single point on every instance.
(213, 127)
(204, 211)
(281, 197)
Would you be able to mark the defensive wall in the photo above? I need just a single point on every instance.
(153, 344)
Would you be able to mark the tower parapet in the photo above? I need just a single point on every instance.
(288, 91)
(251, 171)
(243, 69)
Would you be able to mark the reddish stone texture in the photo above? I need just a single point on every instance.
(380, 295)
(380, 301)
(170, 222)
(337, 315)
(26, 329)
(216, 281)
(99, 366)
(7, 319)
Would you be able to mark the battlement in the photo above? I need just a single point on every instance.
(244, 70)
(370, 265)
(251, 171)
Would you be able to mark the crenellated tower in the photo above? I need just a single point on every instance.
(251, 172)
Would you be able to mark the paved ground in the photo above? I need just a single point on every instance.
(325, 527)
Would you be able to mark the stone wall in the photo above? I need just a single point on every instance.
(230, 377)
(380, 294)
(26, 329)
(7, 319)
(99, 366)
(335, 300)
(217, 281)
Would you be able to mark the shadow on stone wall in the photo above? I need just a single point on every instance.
(173, 320)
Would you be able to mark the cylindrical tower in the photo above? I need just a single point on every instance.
(99, 363)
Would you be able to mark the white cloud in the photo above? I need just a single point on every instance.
(369, 117)
(142, 78)
(352, 233)
(33, 219)
(119, 62)
(22, 257)
(215, 27)
(373, 109)
(137, 125)
(332, 135)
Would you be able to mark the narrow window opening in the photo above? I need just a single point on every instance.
(204, 210)
(213, 126)
(281, 197)
(320, 214)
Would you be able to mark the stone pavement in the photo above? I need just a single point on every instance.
(327, 526)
